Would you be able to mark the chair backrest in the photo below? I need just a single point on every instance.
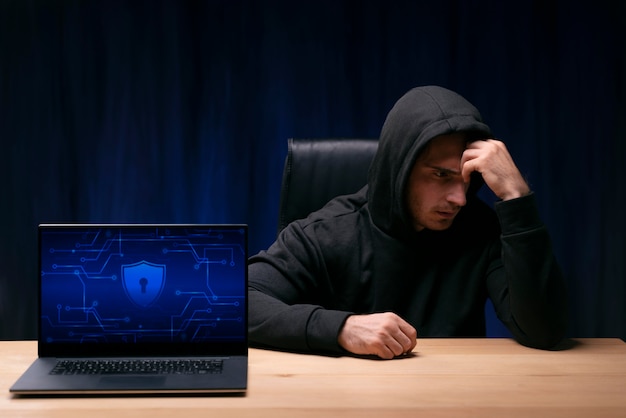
(317, 170)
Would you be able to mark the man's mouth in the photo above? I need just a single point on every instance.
(448, 214)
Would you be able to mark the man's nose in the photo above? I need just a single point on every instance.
(456, 194)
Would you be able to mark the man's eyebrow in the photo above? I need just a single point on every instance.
(444, 169)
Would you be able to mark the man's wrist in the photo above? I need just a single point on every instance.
(516, 193)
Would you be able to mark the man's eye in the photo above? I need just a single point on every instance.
(441, 174)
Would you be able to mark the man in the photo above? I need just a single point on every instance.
(415, 251)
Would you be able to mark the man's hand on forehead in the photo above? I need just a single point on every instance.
(492, 160)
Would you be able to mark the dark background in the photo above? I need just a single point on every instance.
(179, 111)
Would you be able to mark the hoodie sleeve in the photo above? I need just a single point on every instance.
(525, 282)
(284, 293)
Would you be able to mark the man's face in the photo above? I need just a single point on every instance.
(436, 190)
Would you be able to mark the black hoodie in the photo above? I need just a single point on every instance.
(360, 254)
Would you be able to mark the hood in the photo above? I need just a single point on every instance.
(417, 117)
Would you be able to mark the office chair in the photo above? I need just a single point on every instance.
(317, 170)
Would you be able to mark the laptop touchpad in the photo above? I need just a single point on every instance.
(131, 382)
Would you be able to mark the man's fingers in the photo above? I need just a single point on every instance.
(385, 335)
(468, 167)
(410, 336)
(470, 162)
(394, 348)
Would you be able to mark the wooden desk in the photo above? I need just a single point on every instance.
(444, 377)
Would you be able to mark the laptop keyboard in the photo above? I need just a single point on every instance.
(138, 366)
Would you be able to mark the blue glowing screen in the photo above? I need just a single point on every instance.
(127, 284)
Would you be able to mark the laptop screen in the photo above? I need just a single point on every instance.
(142, 289)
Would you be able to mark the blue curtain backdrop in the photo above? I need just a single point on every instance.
(179, 111)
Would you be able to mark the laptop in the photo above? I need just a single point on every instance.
(140, 309)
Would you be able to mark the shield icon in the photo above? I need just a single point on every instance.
(143, 282)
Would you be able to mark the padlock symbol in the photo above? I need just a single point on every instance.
(143, 282)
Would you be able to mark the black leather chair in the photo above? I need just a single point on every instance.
(317, 170)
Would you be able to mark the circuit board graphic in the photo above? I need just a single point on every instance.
(136, 284)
